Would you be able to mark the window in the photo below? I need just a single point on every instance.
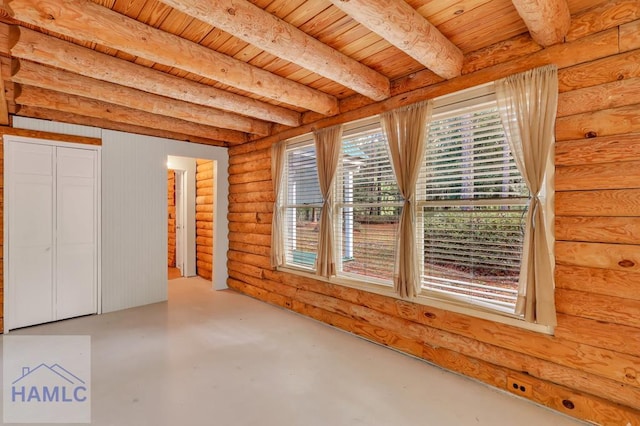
(472, 209)
(367, 207)
(302, 205)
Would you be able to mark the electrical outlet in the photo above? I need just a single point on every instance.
(520, 386)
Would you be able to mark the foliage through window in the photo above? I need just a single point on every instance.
(368, 208)
(472, 209)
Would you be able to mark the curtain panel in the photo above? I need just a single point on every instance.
(328, 144)
(528, 105)
(278, 152)
(407, 130)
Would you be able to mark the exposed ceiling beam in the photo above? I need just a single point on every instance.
(399, 24)
(270, 33)
(548, 21)
(67, 117)
(38, 47)
(90, 22)
(33, 74)
(43, 98)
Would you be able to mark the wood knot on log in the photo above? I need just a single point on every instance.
(626, 263)
(590, 135)
(568, 404)
(231, 11)
(430, 315)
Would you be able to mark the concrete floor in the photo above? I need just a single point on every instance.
(221, 358)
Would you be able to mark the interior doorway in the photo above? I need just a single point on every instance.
(190, 215)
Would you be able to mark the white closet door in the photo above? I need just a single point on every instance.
(76, 264)
(31, 217)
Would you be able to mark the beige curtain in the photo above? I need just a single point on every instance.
(278, 153)
(528, 104)
(407, 131)
(328, 147)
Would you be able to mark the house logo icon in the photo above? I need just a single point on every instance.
(48, 384)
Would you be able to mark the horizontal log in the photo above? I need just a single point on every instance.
(258, 239)
(261, 164)
(265, 217)
(600, 281)
(258, 176)
(243, 217)
(203, 165)
(205, 190)
(205, 257)
(204, 265)
(615, 230)
(201, 232)
(630, 36)
(89, 22)
(611, 68)
(204, 199)
(30, 73)
(205, 175)
(265, 284)
(250, 156)
(205, 241)
(204, 208)
(203, 273)
(250, 248)
(249, 259)
(101, 123)
(461, 344)
(42, 98)
(607, 335)
(623, 202)
(253, 271)
(252, 197)
(204, 224)
(596, 98)
(619, 257)
(599, 307)
(614, 121)
(251, 207)
(250, 228)
(263, 186)
(602, 17)
(207, 217)
(48, 50)
(499, 53)
(621, 175)
(204, 183)
(608, 149)
(258, 293)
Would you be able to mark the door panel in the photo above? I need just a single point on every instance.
(31, 218)
(76, 233)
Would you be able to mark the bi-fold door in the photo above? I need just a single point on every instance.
(52, 232)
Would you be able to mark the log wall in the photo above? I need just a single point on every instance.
(590, 367)
(171, 218)
(204, 218)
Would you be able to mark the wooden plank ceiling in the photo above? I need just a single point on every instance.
(225, 72)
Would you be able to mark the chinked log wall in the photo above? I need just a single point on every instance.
(204, 218)
(590, 368)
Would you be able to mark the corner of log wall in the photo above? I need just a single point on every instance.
(590, 368)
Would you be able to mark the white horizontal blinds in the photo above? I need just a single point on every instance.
(474, 203)
(303, 204)
(368, 208)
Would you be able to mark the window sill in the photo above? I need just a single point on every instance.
(425, 299)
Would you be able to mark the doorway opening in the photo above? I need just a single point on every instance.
(190, 217)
